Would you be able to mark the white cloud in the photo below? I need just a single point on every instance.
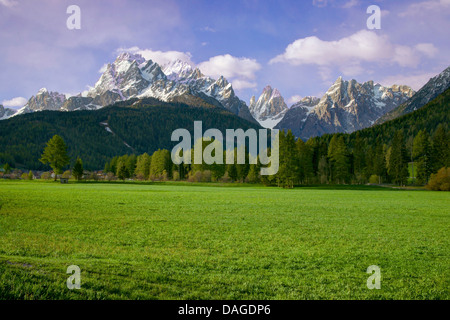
(240, 84)
(415, 81)
(230, 67)
(160, 57)
(17, 102)
(8, 3)
(426, 6)
(427, 48)
(240, 71)
(349, 52)
(294, 99)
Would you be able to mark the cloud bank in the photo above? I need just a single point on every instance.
(348, 53)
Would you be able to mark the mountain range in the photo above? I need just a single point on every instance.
(347, 106)
(132, 76)
(6, 113)
(434, 87)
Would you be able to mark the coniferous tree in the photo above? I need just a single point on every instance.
(232, 172)
(379, 162)
(397, 161)
(78, 169)
(131, 164)
(288, 169)
(122, 171)
(322, 170)
(338, 157)
(253, 174)
(161, 161)
(422, 155)
(305, 161)
(143, 166)
(440, 148)
(359, 163)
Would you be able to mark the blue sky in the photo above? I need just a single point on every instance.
(299, 47)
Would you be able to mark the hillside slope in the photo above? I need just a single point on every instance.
(426, 118)
(132, 126)
(433, 88)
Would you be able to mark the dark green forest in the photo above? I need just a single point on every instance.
(144, 125)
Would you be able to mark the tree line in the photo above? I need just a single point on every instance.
(330, 159)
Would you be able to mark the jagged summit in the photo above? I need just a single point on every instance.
(6, 113)
(132, 76)
(347, 106)
(270, 107)
(179, 69)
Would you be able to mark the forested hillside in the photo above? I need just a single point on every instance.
(134, 126)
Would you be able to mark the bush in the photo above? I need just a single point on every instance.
(206, 176)
(374, 179)
(66, 174)
(164, 176)
(198, 176)
(440, 181)
(46, 176)
(176, 176)
(226, 178)
(110, 176)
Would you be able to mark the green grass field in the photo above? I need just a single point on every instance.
(177, 241)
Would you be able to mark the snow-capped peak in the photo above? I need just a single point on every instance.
(42, 91)
(177, 69)
(270, 107)
(131, 76)
(6, 113)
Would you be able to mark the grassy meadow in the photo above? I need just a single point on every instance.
(180, 241)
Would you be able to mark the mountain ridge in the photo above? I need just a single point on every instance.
(434, 87)
(132, 76)
(270, 107)
(347, 106)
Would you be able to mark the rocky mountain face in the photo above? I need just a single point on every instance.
(43, 100)
(346, 107)
(434, 87)
(269, 109)
(131, 76)
(5, 113)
